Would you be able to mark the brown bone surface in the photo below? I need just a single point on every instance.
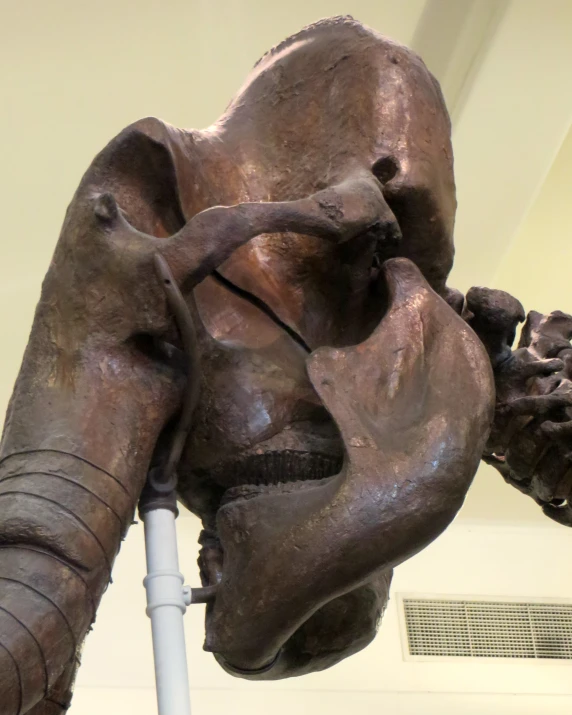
(530, 443)
(412, 403)
(343, 404)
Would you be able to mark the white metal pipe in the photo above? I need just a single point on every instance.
(166, 607)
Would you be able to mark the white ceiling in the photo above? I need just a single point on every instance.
(74, 74)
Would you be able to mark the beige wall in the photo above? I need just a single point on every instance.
(538, 263)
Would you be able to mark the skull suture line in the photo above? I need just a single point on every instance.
(344, 400)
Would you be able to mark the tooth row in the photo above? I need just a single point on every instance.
(281, 467)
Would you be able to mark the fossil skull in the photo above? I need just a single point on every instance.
(343, 404)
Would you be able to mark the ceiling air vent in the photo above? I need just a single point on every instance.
(487, 629)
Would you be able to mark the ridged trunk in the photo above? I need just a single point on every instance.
(74, 457)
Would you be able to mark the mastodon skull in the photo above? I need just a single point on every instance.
(343, 403)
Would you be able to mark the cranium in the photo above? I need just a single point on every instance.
(344, 404)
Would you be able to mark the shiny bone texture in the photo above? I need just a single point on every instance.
(310, 230)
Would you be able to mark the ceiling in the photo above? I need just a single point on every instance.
(74, 74)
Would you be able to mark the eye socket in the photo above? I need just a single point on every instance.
(158, 350)
(385, 169)
(559, 503)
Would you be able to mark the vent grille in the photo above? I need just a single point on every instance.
(488, 629)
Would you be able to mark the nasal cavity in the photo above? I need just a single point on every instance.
(385, 169)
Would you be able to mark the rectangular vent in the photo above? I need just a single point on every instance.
(488, 629)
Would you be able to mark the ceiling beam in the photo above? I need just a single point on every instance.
(515, 112)
(450, 36)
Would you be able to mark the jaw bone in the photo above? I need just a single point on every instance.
(413, 403)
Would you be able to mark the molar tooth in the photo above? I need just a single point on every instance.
(288, 466)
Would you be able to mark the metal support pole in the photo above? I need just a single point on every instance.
(166, 607)
(167, 599)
